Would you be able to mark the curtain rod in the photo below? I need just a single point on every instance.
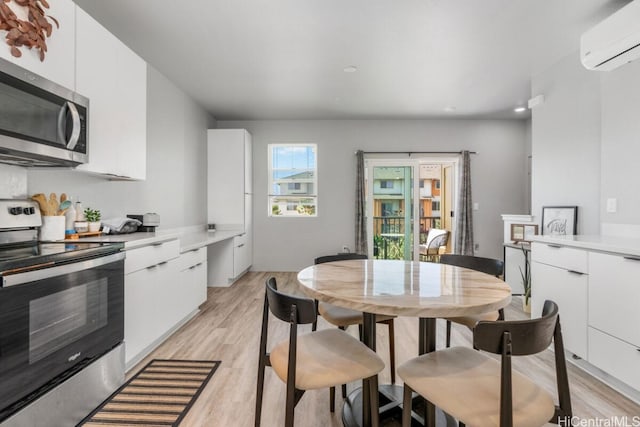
(416, 152)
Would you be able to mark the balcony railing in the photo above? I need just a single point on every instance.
(388, 235)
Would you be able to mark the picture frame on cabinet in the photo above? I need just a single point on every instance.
(521, 233)
(559, 220)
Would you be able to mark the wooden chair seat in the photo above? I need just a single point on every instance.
(471, 321)
(326, 358)
(343, 317)
(466, 383)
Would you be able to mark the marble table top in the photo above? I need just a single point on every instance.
(405, 288)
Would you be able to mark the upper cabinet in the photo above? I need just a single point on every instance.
(114, 79)
(229, 177)
(59, 63)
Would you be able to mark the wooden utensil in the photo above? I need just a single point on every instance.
(63, 197)
(53, 204)
(42, 202)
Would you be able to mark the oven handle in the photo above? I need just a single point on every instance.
(45, 273)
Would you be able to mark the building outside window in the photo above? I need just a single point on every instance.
(293, 180)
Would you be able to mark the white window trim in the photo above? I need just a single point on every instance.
(293, 196)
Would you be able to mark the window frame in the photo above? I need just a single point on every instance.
(293, 197)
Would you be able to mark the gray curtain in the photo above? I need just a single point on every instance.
(361, 220)
(464, 212)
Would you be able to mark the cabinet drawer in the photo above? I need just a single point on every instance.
(614, 296)
(560, 256)
(154, 254)
(615, 357)
(190, 258)
(240, 240)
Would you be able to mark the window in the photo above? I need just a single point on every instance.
(293, 180)
(435, 205)
(386, 184)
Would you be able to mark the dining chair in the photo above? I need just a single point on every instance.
(310, 361)
(494, 267)
(479, 390)
(344, 317)
(430, 249)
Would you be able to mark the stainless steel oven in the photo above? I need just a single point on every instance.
(54, 321)
(41, 123)
(61, 322)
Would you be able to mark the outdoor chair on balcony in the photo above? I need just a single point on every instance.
(344, 317)
(436, 239)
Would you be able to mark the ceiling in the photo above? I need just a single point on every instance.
(285, 59)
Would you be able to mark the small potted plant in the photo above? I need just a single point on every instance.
(526, 282)
(93, 218)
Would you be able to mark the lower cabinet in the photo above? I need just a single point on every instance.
(162, 288)
(568, 289)
(228, 259)
(614, 356)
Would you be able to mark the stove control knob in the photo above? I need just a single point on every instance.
(15, 210)
(29, 211)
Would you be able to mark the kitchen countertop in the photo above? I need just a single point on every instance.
(613, 244)
(189, 240)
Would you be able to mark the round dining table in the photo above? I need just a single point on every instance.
(424, 290)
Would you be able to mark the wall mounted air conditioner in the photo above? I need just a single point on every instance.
(613, 42)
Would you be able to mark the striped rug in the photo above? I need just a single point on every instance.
(159, 395)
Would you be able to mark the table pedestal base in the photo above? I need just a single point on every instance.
(390, 409)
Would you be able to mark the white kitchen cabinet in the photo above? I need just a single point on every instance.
(230, 202)
(229, 176)
(191, 291)
(615, 357)
(59, 62)
(114, 78)
(559, 274)
(150, 276)
(614, 296)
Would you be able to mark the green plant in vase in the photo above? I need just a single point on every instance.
(93, 218)
(526, 281)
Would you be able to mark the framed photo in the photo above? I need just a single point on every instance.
(523, 232)
(559, 220)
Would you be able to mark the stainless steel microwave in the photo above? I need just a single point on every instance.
(41, 122)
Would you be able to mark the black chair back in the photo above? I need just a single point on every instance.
(494, 267)
(526, 336)
(339, 257)
(282, 305)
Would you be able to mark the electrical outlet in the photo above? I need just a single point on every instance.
(476, 246)
(345, 249)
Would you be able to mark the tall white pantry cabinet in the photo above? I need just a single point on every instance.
(229, 203)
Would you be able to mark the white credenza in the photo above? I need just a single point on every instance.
(594, 280)
(230, 203)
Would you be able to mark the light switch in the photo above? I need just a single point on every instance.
(612, 205)
(476, 206)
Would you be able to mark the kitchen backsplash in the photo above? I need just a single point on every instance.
(13, 182)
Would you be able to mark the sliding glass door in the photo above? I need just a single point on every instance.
(405, 199)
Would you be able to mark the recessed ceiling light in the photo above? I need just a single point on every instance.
(449, 109)
(350, 69)
(520, 109)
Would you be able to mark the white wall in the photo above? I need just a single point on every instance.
(288, 244)
(566, 142)
(621, 145)
(175, 187)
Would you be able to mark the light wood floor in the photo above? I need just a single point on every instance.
(228, 329)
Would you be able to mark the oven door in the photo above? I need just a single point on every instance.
(55, 320)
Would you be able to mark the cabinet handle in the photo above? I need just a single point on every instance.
(240, 245)
(163, 262)
(575, 272)
(195, 266)
(151, 267)
(554, 246)
(632, 258)
(157, 244)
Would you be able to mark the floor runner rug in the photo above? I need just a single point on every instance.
(159, 395)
